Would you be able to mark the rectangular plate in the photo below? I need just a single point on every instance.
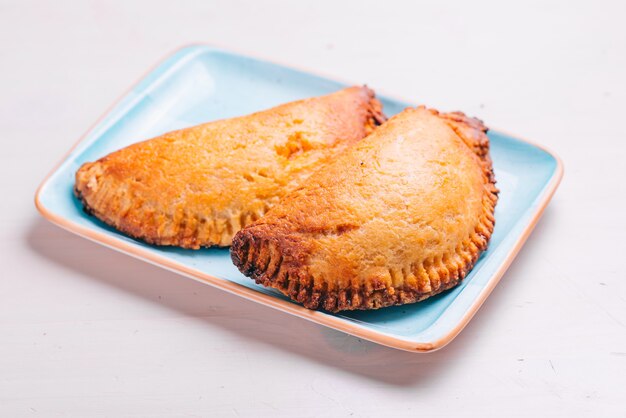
(202, 83)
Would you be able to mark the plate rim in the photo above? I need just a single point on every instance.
(318, 317)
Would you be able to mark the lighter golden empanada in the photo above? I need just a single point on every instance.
(198, 186)
(399, 217)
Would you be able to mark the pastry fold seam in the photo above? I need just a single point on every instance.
(254, 254)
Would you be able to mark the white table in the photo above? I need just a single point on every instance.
(85, 331)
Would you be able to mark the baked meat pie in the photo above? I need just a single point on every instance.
(401, 216)
(198, 186)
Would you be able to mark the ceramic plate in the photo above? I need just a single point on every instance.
(202, 83)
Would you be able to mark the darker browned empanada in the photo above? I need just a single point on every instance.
(401, 216)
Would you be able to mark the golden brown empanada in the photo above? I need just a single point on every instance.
(401, 216)
(198, 186)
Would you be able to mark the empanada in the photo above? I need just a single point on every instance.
(198, 186)
(399, 217)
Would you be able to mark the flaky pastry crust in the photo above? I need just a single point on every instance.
(402, 216)
(198, 186)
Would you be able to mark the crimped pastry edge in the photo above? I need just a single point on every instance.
(261, 259)
(221, 231)
(259, 256)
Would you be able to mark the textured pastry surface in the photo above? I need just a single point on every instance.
(401, 216)
(198, 186)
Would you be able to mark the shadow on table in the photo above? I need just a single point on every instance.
(273, 328)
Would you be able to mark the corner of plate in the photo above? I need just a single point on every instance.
(38, 204)
(194, 47)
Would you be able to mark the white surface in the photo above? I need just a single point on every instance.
(85, 331)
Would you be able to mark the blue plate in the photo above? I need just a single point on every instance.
(202, 83)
